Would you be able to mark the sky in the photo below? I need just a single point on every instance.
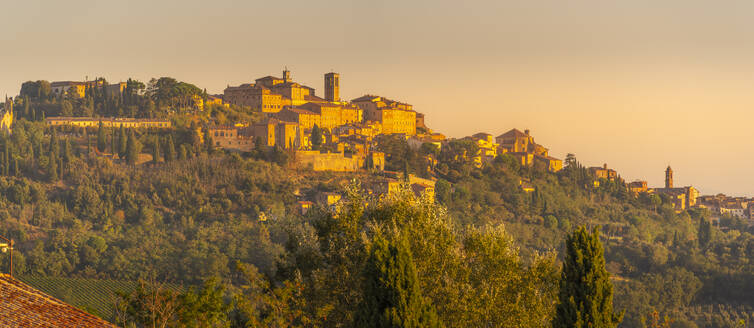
(637, 84)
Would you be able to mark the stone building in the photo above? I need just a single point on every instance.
(274, 132)
(689, 194)
(258, 98)
(270, 94)
(60, 88)
(334, 115)
(232, 138)
(6, 122)
(337, 162)
(638, 186)
(603, 172)
(395, 117)
(112, 122)
(305, 118)
(332, 87)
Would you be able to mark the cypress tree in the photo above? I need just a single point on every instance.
(26, 107)
(131, 151)
(316, 137)
(122, 140)
(52, 168)
(156, 150)
(183, 154)
(208, 143)
(101, 140)
(586, 294)
(113, 144)
(15, 166)
(54, 145)
(67, 154)
(170, 150)
(6, 160)
(705, 233)
(392, 297)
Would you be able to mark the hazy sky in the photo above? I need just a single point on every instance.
(636, 84)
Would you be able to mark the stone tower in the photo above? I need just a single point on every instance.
(286, 75)
(668, 177)
(332, 86)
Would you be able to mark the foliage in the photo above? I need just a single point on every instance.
(586, 294)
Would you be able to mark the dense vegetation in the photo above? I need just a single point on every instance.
(89, 203)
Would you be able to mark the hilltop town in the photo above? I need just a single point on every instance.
(332, 134)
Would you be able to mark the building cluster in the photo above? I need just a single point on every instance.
(517, 144)
(388, 184)
(293, 112)
(108, 122)
(78, 88)
(740, 207)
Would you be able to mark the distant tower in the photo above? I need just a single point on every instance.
(332, 86)
(286, 75)
(668, 177)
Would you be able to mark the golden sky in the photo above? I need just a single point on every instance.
(635, 84)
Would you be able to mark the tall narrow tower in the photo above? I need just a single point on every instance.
(668, 177)
(286, 75)
(332, 86)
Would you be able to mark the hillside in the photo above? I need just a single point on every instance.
(85, 216)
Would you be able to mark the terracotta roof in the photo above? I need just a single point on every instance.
(65, 83)
(512, 133)
(365, 98)
(300, 111)
(23, 306)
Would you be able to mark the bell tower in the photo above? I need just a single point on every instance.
(668, 177)
(332, 86)
(286, 75)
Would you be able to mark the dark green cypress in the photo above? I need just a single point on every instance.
(54, 144)
(52, 168)
(122, 140)
(183, 154)
(316, 138)
(67, 154)
(704, 235)
(392, 296)
(26, 108)
(586, 294)
(131, 151)
(170, 149)
(113, 143)
(156, 150)
(101, 140)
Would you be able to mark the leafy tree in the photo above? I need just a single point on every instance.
(66, 108)
(205, 307)
(392, 296)
(586, 294)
